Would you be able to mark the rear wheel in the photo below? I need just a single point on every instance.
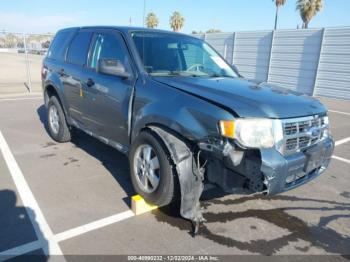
(152, 174)
(58, 127)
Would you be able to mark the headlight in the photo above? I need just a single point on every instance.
(252, 133)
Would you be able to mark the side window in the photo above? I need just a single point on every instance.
(108, 46)
(78, 49)
(59, 44)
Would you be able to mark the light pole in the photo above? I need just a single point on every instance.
(144, 13)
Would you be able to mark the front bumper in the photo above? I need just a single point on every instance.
(282, 173)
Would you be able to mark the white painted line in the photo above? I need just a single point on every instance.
(20, 250)
(71, 233)
(20, 98)
(342, 141)
(339, 112)
(341, 159)
(40, 225)
(93, 225)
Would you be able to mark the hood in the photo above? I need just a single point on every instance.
(246, 98)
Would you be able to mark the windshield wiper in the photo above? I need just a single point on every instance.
(219, 75)
(177, 73)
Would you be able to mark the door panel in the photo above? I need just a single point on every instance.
(72, 73)
(106, 97)
(72, 85)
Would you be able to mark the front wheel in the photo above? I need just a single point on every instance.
(152, 174)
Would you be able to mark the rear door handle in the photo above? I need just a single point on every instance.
(90, 82)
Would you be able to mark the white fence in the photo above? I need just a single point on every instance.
(312, 61)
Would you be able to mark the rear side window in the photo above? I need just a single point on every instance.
(78, 49)
(59, 44)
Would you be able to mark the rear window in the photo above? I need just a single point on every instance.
(59, 44)
(78, 49)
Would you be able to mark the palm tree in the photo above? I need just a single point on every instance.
(308, 9)
(278, 3)
(176, 21)
(152, 20)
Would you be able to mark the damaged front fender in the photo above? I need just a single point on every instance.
(190, 175)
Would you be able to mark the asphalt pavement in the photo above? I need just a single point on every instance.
(74, 199)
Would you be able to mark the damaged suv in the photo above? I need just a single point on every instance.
(183, 114)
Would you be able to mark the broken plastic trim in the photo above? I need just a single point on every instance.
(190, 176)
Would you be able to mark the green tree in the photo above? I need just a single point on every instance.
(152, 20)
(278, 3)
(177, 21)
(308, 9)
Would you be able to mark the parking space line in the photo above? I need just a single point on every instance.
(93, 225)
(71, 233)
(20, 250)
(339, 112)
(342, 141)
(40, 225)
(341, 159)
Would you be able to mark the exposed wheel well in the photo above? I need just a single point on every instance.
(188, 142)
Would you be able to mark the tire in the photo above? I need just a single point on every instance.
(56, 121)
(164, 193)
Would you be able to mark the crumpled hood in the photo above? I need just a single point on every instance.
(246, 98)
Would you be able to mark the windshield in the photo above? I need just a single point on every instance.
(166, 54)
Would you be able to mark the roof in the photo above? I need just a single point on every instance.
(123, 29)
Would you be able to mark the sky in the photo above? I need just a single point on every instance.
(42, 16)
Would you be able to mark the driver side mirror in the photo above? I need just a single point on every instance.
(113, 67)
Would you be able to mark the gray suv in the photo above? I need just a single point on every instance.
(183, 114)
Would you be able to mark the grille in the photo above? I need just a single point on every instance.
(303, 132)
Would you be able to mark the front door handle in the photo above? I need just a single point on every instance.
(90, 82)
(62, 73)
